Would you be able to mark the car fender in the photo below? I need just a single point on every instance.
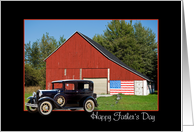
(90, 97)
(60, 94)
(31, 97)
(50, 99)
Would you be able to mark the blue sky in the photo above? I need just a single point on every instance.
(34, 29)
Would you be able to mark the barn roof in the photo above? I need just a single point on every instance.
(60, 81)
(107, 54)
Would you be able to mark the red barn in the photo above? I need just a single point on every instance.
(79, 57)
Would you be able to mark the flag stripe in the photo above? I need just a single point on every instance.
(122, 92)
(121, 89)
(124, 87)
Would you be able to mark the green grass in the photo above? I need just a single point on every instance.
(26, 100)
(128, 102)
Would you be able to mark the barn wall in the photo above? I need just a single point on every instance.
(78, 54)
(119, 73)
(94, 73)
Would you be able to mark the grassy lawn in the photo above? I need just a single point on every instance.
(128, 102)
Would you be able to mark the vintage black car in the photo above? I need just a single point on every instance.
(65, 94)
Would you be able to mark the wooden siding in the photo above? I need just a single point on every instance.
(94, 73)
(76, 54)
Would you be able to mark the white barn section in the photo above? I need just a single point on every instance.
(143, 87)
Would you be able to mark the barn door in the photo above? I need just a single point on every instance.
(100, 85)
(138, 87)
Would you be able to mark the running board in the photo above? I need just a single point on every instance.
(70, 108)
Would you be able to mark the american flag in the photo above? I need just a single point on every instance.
(124, 87)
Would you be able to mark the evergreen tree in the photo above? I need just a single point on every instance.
(134, 45)
(148, 49)
(47, 45)
(32, 54)
(61, 40)
(35, 55)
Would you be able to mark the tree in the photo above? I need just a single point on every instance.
(134, 45)
(35, 67)
(31, 75)
(61, 40)
(119, 39)
(47, 44)
(148, 49)
(32, 54)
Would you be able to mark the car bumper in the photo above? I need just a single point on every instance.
(31, 105)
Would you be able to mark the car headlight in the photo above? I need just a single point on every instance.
(40, 93)
(34, 94)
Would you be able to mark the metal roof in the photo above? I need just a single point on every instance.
(60, 81)
(107, 54)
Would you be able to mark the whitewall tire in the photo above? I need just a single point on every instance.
(89, 105)
(45, 107)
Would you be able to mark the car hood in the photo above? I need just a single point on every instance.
(49, 93)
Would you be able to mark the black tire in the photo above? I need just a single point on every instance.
(31, 109)
(89, 105)
(60, 100)
(45, 107)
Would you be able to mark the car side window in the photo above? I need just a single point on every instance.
(69, 86)
(83, 86)
(86, 86)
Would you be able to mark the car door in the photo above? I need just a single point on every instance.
(83, 91)
(70, 93)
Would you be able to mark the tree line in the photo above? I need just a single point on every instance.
(35, 53)
(135, 45)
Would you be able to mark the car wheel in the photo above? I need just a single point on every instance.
(89, 105)
(31, 109)
(45, 107)
(60, 100)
